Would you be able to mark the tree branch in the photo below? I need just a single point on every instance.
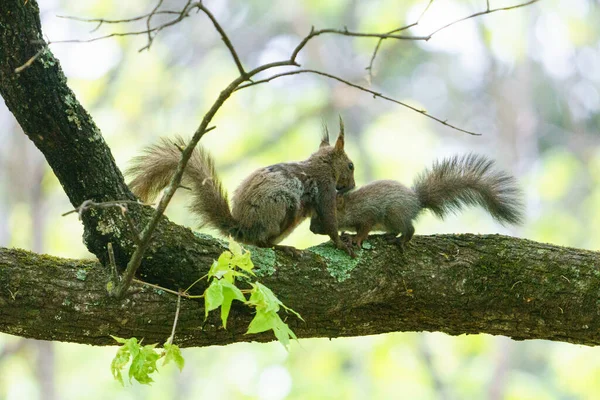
(364, 89)
(458, 284)
(380, 41)
(480, 13)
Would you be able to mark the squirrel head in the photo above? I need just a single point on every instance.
(343, 167)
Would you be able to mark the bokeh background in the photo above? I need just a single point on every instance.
(528, 80)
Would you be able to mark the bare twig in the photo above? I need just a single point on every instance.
(477, 14)
(364, 89)
(380, 41)
(121, 204)
(164, 289)
(154, 10)
(134, 231)
(345, 32)
(28, 63)
(180, 16)
(225, 39)
(170, 339)
(112, 262)
(167, 290)
(101, 21)
(488, 10)
(86, 205)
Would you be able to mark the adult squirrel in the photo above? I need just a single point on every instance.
(268, 205)
(450, 185)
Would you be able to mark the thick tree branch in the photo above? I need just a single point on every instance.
(450, 283)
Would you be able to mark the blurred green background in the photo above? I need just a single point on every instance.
(528, 80)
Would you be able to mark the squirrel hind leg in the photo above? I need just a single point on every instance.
(401, 241)
(361, 234)
(405, 238)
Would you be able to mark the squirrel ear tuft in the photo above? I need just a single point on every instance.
(325, 136)
(339, 144)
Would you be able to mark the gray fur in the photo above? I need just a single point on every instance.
(450, 185)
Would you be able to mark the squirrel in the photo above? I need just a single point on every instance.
(450, 185)
(268, 205)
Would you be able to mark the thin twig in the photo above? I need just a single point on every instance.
(180, 16)
(117, 21)
(166, 290)
(113, 264)
(196, 281)
(121, 204)
(345, 32)
(154, 10)
(134, 231)
(28, 63)
(423, 12)
(106, 204)
(170, 339)
(370, 67)
(477, 14)
(225, 39)
(428, 37)
(364, 89)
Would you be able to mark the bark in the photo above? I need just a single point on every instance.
(450, 283)
(454, 284)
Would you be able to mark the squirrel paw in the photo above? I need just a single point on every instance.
(289, 250)
(400, 241)
(347, 238)
(346, 247)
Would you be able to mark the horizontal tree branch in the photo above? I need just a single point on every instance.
(458, 284)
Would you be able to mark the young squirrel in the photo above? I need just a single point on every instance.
(450, 185)
(268, 205)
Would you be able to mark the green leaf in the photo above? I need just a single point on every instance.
(118, 363)
(220, 267)
(143, 364)
(130, 349)
(235, 248)
(283, 332)
(244, 262)
(173, 353)
(213, 296)
(230, 293)
(263, 298)
(262, 321)
(121, 340)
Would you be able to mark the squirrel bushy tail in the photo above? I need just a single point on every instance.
(153, 171)
(469, 180)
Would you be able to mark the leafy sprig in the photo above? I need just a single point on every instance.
(221, 292)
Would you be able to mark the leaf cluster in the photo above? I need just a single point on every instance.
(142, 359)
(222, 290)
